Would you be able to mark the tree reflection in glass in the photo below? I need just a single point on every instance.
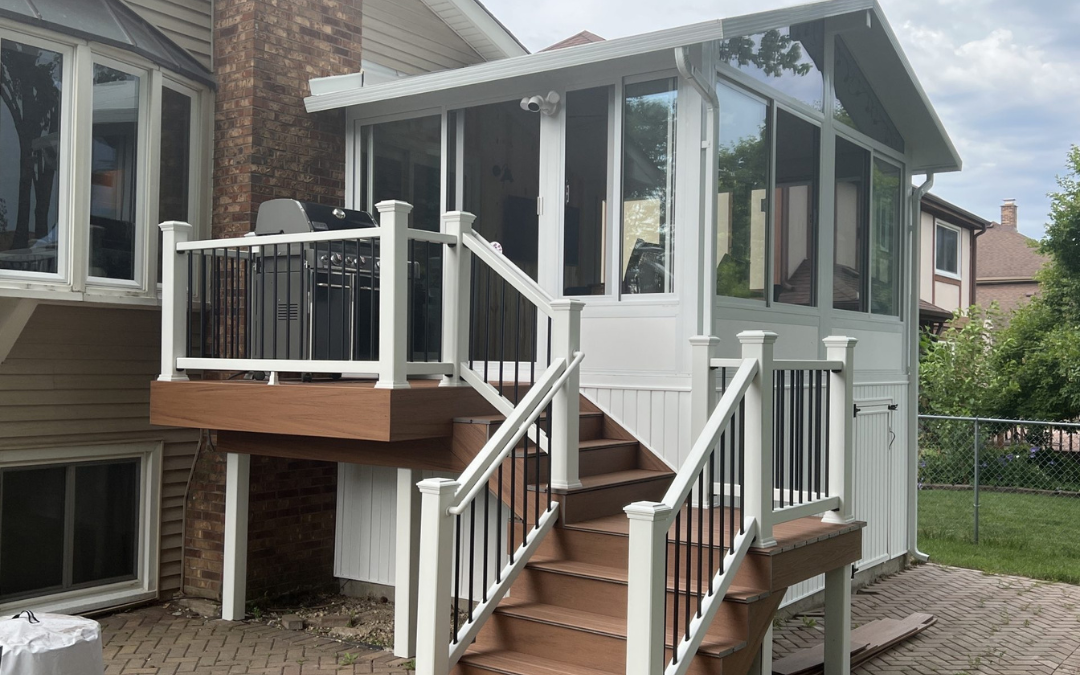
(789, 59)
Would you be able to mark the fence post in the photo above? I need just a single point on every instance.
(393, 294)
(757, 499)
(702, 382)
(435, 576)
(457, 295)
(175, 281)
(841, 426)
(565, 408)
(976, 480)
(646, 587)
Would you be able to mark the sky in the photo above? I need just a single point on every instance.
(1003, 75)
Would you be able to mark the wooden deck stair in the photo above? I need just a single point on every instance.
(566, 613)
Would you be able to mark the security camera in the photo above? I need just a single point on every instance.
(545, 105)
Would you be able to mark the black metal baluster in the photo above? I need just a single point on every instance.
(288, 302)
(457, 576)
(474, 291)
(329, 297)
(536, 495)
(263, 304)
(346, 291)
(487, 324)
(502, 336)
(792, 470)
(712, 513)
(513, 501)
(410, 298)
(225, 309)
(828, 416)
(728, 503)
(373, 309)
(472, 554)
(742, 464)
(525, 489)
(487, 520)
(517, 347)
(798, 375)
(689, 566)
(190, 300)
(700, 535)
(675, 613)
(498, 524)
(817, 433)
(733, 430)
(535, 349)
(782, 446)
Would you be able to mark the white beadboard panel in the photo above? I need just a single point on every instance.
(658, 418)
(803, 589)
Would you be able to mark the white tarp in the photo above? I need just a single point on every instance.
(50, 644)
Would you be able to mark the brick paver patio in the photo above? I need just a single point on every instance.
(986, 624)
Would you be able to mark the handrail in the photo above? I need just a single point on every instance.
(281, 239)
(785, 364)
(524, 284)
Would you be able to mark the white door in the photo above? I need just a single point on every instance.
(873, 481)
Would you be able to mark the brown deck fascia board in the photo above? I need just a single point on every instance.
(432, 454)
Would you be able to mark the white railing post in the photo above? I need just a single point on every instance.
(841, 417)
(435, 576)
(646, 588)
(566, 408)
(234, 555)
(406, 562)
(393, 294)
(174, 288)
(457, 295)
(702, 381)
(757, 498)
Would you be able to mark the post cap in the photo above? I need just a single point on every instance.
(648, 511)
(175, 226)
(463, 216)
(839, 341)
(567, 305)
(438, 486)
(757, 337)
(394, 205)
(704, 340)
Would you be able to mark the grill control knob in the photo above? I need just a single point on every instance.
(335, 258)
(350, 261)
(339, 214)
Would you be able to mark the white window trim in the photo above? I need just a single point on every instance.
(195, 196)
(958, 274)
(145, 585)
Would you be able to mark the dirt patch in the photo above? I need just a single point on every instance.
(371, 620)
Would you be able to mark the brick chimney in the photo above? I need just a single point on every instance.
(1008, 214)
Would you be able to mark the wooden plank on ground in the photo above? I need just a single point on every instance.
(866, 642)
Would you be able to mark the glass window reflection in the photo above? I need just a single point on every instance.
(789, 59)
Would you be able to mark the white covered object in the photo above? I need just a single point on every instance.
(50, 644)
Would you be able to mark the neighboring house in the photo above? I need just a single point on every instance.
(950, 248)
(114, 117)
(717, 179)
(1008, 263)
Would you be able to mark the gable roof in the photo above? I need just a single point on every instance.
(583, 38)
(109, 22)
(478, 27)
(952, 213)
(1005, 254)
(873, 44)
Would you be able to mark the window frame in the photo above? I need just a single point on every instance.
(195, 188)
(958, 274)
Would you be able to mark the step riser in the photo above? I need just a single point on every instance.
(610, 500)
(595, 462)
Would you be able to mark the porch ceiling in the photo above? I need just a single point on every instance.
(876, 49)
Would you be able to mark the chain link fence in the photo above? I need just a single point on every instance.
(967, 464)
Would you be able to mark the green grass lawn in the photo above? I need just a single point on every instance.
(1035, 536)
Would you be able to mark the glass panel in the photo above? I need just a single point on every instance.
(585, 224)
(885, 248)
(742, 191)
(406, 165)
(114, 164)
(106, 526)
(851, 227)
(856, 104)
(173, 188)
(648, 187)
(798, 150)
(789, 59)
(32, 530)
(947, 247)
(30, 133)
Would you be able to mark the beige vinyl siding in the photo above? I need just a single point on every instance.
(408, 37)
(81, 376)
(188, 23)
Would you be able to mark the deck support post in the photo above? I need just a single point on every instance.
(757, 500)
(762, 664)
(646, 587)
(393, 294)
(566, 406)
(406, 562)
(841, 427)
(838, 621)
(234, 565)
(174, 286)
(457, 295)
(435, 575)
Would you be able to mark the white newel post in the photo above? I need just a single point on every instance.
(234, 564)
(757, 500)
(457, 295)
(838, 621)
(174, 290)
(646, 588)
(841, 417)
(566, 408)
(393, 294)
(406, 562)
(435, 576)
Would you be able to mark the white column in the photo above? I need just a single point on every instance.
(435, 575)
(841, 423)
(762, 664)
(393, 294)
(566, 407)
(702, 382)
(406, 562)
(457, 295)
(234, 566)
(757, 499)
(174, 288)
(646, 588)
(838, 621)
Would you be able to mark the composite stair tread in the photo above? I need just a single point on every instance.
(714, 646)
(587, 446)
(499, 419)
(626, 477)
(517, 663)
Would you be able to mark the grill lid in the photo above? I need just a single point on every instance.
(289, 216)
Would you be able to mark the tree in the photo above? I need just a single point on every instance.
(957, 374)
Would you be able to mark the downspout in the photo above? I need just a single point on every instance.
(913, 383)
(707, 259)
(975, 264)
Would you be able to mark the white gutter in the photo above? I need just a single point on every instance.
(913, 370)
(707, 259)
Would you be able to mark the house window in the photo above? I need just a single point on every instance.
(856, 104)
(586, 204)
(788, 59)
(31, 80)
(648, 242)
(114, 175)
(947, 251)
(742, 194)
(402, 161)
(885, 238)
(851, 229)
(798, 154)
(174, 179)
(68, 526)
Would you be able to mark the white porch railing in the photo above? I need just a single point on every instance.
(776, 447)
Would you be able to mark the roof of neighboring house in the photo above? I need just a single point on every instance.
(931, 312)
(1005, 254)
(109, 22)
(940, 208)
(478, 26)
(582, 38)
